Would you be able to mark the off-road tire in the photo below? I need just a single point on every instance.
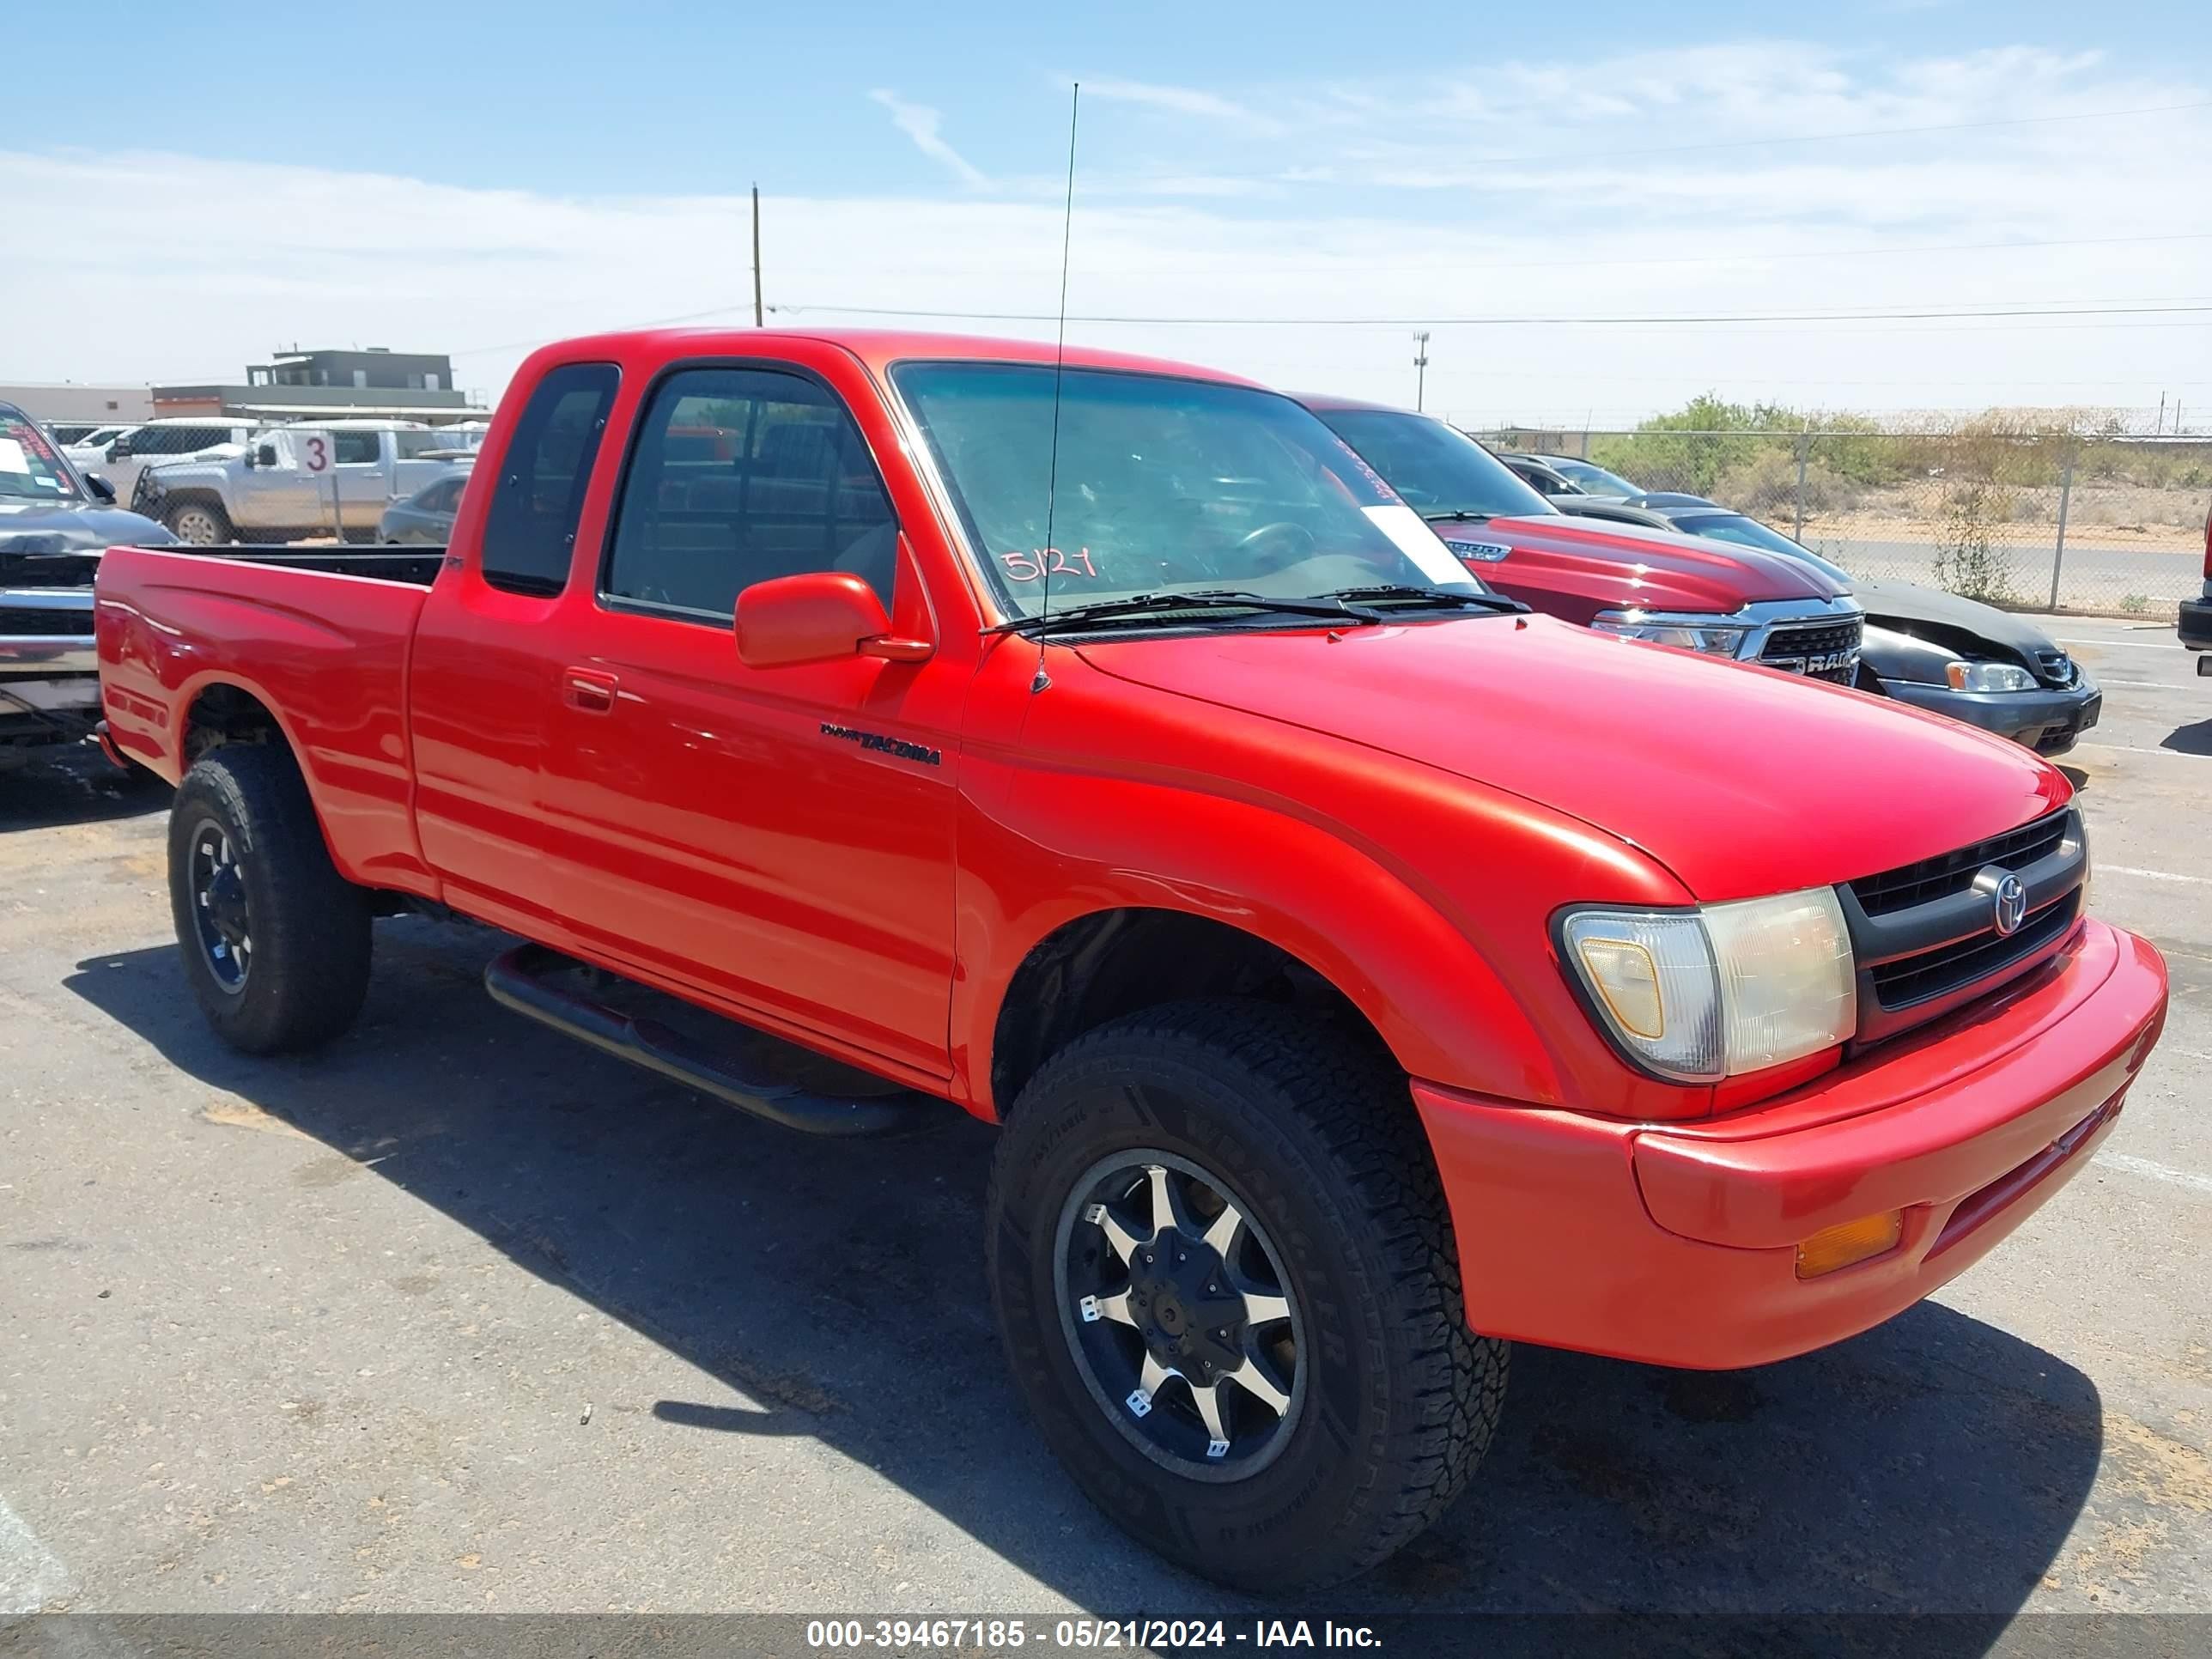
(192, 513)
(1313, 1128)
(309, 971)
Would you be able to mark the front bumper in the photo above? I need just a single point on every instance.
(1674, 1244)
(2047, 721)
(2197, 622)
(47, 632)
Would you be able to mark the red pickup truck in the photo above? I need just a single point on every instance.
(1365, 972)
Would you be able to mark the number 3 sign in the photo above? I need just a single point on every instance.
(315, 452)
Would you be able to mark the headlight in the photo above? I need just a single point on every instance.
(1717, 639)
(1697, 995)
(1988, 676)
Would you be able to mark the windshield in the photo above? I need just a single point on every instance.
(1749, 532)
(28, 466)
(1439, 471)
(1594, 479)
(1164, 485)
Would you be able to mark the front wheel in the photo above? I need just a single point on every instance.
(276, 943)
(198, 523)
(1224, 1275)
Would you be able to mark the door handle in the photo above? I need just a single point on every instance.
(589, 690)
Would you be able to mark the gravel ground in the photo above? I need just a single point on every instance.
(458, 1316)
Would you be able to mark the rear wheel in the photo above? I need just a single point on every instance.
(276, 943)
(1225, 1279)
(200, 523)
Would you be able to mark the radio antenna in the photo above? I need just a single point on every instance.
(1041, 680)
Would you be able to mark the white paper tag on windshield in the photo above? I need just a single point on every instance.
(1418, 542)
(12, 459)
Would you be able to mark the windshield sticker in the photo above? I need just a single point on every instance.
(31, 439)
(1382, 490)
(1036, 565)
(12, 459)
(1417, 542)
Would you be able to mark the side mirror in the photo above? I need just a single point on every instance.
(265, 456)
(100, 488)
(818, 617)
(120, 450)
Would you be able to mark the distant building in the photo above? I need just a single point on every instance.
(401, 385)
(104, 404)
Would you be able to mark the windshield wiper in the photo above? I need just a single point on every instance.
(1460, 515)
(1141, 606)
(1405, 594)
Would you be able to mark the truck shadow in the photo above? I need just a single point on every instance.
(74, 784)
(2195, 738)
(835, 1291)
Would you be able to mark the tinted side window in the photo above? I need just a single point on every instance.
(530, 529)
(354, 447)
(741, 475)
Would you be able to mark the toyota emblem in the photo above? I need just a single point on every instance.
(2009, 904)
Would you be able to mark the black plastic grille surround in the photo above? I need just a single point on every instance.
(1953, 872)
(1951, 967)
(2054, 667)
(39, 623)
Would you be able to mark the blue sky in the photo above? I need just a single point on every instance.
(475, 177)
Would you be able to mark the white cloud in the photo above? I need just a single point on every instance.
(920, 123)
(182, 268)
(1186, 100)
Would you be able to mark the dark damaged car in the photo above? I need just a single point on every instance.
(55, 522)
(1935, 650)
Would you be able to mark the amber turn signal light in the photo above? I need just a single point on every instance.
(1849, 1243)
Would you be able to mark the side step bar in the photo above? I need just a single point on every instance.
(520, 979)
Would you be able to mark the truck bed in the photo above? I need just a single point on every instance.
(318, 636)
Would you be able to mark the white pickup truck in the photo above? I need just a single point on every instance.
(297, 482)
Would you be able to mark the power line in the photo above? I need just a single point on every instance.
(1833, 137)
(1883, 316)
(1352, 267)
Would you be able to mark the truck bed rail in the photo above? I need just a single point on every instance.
(417, 565)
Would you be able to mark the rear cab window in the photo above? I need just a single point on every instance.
(529, 531)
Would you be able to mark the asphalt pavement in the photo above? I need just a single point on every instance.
(458, 1316)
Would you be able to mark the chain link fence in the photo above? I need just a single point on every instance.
(2109, 526)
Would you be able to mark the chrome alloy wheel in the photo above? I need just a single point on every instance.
(1174, 1301)
(219, 908)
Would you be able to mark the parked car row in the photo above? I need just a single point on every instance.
(1921, 646)
(334, 477)
(1364, 971)
(55, 523)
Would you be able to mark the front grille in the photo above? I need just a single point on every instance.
(1823, 651)
(1947, 968)
(23, 622)
(2055, 667)
(1953, 872)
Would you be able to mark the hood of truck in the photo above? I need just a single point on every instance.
(1741, 780)
(1622, 567)
(30, 528)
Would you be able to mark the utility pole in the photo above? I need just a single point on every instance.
(1421, 365)
(760, 317)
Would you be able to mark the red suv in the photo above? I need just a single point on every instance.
(1684, 591)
